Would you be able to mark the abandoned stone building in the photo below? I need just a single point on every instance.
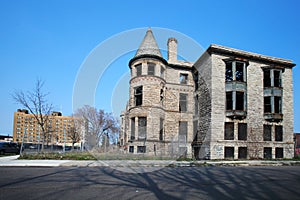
(229, 104)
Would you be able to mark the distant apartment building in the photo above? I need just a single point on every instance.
(28, 130)
(229, 104)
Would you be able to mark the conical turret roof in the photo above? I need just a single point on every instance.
(148, 46)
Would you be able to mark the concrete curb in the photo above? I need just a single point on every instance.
(11, 161)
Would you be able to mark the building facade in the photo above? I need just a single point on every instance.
(58, 128)
(229, 104)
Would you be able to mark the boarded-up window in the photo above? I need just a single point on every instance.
(278, 152)
(138, 69)
(229, 131)
(183, 102)
(132, 137)
(182, 135)
(278, 133)
(239, 101)
(242, 153)
(267, 133)
(242, 131)
(142, 128)
(151, 68)
(138, 95)
(229, 152)
(267, 152)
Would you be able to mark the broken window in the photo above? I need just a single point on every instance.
(242, 153)
(138, 95)
(182, 102)
(229, 101)
(183, 78)
(138, 69)
(277, 78)
(151, 68)
(132, 137)
(182, 135)
(267, 133)
(161, 129)
(229, 152)
(278, 152)
(131, 149)
(242, 131)
(239, 71)
(278, 133)
(141, 149)
(142, 128)
(267, 105)
(239, 101)
(228, 73)
(235, 71)
(277, 104)
(229, 131)
(267, 152)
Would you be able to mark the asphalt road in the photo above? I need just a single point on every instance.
(167, 183)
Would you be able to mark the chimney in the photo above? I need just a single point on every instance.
(172, 50)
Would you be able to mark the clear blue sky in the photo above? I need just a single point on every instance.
(50, 39)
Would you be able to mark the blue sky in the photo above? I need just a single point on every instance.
(51, 39)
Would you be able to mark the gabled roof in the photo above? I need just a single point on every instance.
(148, 46)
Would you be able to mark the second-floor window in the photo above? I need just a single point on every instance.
(235, 101)
(183, 102)
(138, 95)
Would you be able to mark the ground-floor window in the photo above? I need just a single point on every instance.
(183, 151)
(278, 152)
(131, 149)
(267, 152)
(229, 152)
(141, 149)
(242, 152)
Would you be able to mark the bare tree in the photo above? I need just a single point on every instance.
(74, 135)
(96, 123)
(35, 101)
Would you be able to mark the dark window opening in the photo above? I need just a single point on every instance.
(183, 102)
(131, 149)
(267, 133)
(267, 78)
(229, 101)
(183, 78)
(151, 68)
(228, 73)
(267, 105)
(239, 101)
(162, 71)
(277, 104)
(229, 131)
(229, 152)
(182, 135)
(141, 149)
(242, 131)
(242, 153)
(161, 95)
(267, 152)
(278, 133)
(138, 69)
(142, 128)
(161, 129)
(138, 95)
(277, 78)
(132, 137)
(278, 152)
(239, 71)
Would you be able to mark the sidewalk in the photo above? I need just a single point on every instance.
(12, 161)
